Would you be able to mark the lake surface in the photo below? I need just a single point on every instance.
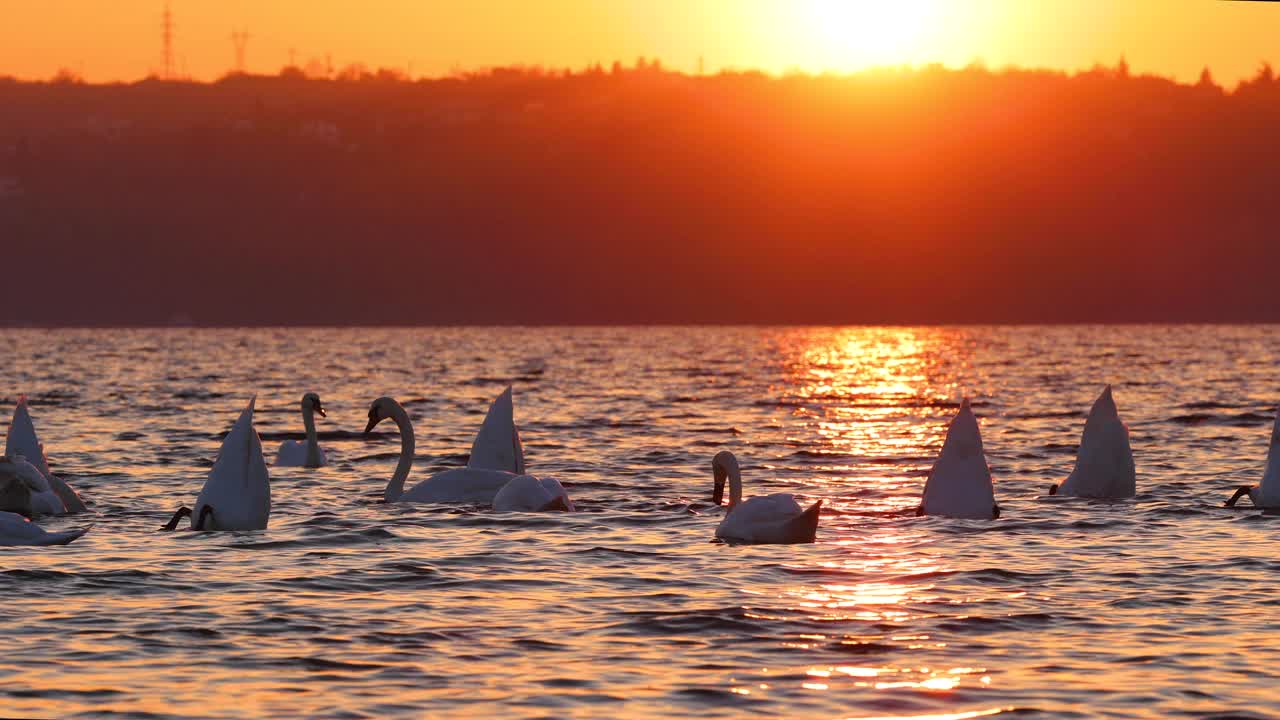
(1163, 606)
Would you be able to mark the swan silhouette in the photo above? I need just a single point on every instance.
(775, 519)
(959, 484)
(460, 485)
(237, 495)
(1267, 493)
(307, 453)
(22, 440)
(1104, 463)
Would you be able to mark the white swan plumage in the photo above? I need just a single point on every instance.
(22, 440)
(775, 519)
(237, 494)
(526, 493)
(24, 489)
(1267, 493)
(1104, 463)
(468, 485)
(959, 485)
(308, 452)
(497, 445)
(18, 530)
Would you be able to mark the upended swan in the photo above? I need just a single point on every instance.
(1267, 493)
(775, 519)
(24, 490)
(526, 493)
(497, 445)
(1104, 463)
(237, 495)
(22, 440)
(307, 453)
(959, 484)
(17, 530)
(460, 485)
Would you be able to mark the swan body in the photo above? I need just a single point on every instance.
(1104, 463)
(1267, 493)
(959, 484)
(459, 485)
(24, 489)
(22, 440)
(497, 445)
(469, 485)
(17, 530)
(526, 493)
(763, 520)
(237, 495)
(307, 453)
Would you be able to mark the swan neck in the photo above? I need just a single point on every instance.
(313, 444)
(735, 488)
(395, 488)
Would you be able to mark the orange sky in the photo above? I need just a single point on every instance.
(121, 39)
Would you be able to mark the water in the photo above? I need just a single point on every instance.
(1164, 606)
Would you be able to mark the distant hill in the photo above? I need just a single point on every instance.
(638, 195)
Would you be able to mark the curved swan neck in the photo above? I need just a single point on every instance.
(735, 487)
(395, 488)
(313, 444)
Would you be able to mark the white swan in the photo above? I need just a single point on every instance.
(307, 453)
(959, 484)
(459, 485)
(23, 489)
(526, 493)
(1267, 493)
(237, 495)
(22, 440)
(497, 446)
(1104, 463)
(765, 519)
(17, 530)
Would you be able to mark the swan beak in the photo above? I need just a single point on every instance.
(717, 496)
(369, 428)
(320, 411)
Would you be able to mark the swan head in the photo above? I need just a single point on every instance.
(312, 400)
(380, 410)
(723, 465)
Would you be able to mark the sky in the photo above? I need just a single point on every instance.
(121, 40)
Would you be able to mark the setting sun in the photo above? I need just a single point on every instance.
(852, 34)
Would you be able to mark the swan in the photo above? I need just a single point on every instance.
(1266, 494)
(497, 446)
(766, 519)
(526, 493)
(17, 530)
(1104, 463)
(23, 441)
(237, 495)
(959, 484)
(309, 453)
(459, 485)
(24, 490)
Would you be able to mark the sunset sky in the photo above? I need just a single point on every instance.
(121, 40)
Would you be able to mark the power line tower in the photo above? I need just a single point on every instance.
(240, 38)
(166, 38)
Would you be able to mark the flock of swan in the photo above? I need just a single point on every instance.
(237, 493)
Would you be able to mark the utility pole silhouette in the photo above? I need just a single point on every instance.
(166, 39)
(240, 38)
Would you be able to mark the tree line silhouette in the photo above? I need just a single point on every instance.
(629, 195)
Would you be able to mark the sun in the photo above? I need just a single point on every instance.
(854, 34)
